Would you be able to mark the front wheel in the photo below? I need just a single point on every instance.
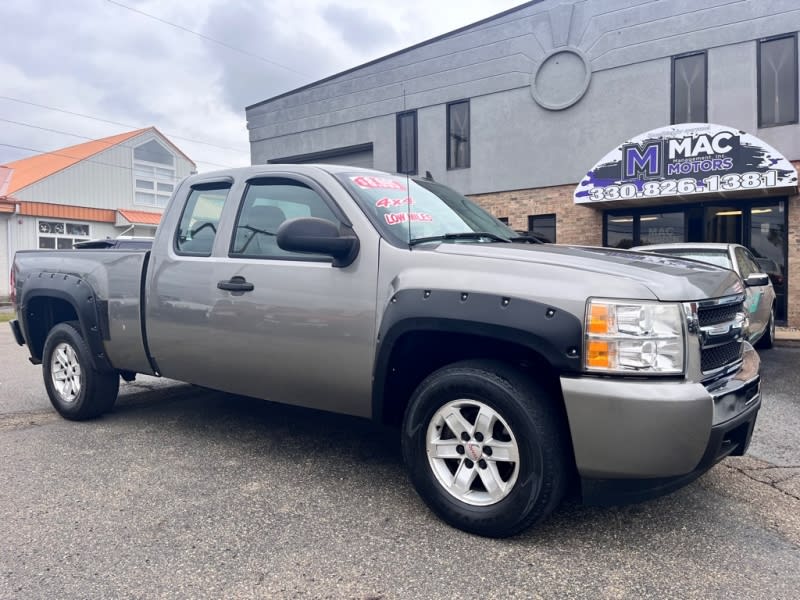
(768, 337)
(76, 390)
(486, 448)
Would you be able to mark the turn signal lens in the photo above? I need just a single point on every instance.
(598, 318)
(598, 355)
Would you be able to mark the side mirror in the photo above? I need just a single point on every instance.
(756, 279)
(318, 236)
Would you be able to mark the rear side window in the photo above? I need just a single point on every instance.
(267, 204)
(200, 219)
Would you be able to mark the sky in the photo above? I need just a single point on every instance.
(72, 70)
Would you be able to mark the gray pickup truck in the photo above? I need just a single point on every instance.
(516, 371)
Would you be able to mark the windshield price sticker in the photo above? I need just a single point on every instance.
(390, 202)
(396, 218)
(686, 160)
(377, 183)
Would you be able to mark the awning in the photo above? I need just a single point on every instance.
(685, 163)
(137, 217)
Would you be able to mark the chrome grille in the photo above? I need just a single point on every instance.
(720, 328)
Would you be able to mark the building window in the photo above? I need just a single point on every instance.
(777, 81)
(543, 226)
(407, 142)
(689, 87)
(61, 234)
(153, 174)
(503, 220)
(458, 135)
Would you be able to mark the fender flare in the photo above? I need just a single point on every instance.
(550, 331)
(92, 312)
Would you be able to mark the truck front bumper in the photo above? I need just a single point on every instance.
(636, 439)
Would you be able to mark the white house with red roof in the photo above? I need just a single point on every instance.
(103, 188)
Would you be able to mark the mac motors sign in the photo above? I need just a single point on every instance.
(686, 160)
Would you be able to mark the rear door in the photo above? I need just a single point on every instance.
(273, 324)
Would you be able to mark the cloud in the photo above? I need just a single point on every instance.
(358, 29)
(96, 58)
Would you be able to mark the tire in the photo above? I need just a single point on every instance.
(503, 497)
(76, 390)
(768, 337)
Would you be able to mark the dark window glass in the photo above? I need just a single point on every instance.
(619, 231)
(689, 89)
(723, 224)
(64, 243)
(266, 205)
(458, 135)
(665, 228)
(47, 243)
(152, 151)
(200, 218)
(768, 243)
(503, 220)
(777, 81)
(407, 142)
(543, 226)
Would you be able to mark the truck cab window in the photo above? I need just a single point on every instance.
(266, 205)
(198, 226)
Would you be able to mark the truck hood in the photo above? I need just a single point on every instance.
(670, 279)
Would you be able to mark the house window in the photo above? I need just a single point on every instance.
(503, 220)
(689, 87)
(153, 173)
(543, 226)
(61, 234)
(458, 135)
(407, 142)
(777, 81)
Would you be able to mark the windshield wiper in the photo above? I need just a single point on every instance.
(528, 239)
(465, 235)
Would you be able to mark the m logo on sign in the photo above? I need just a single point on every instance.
(641, 161)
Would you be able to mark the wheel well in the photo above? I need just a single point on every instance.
(417, 354)
(42, 314)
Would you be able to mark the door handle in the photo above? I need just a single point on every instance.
(236, 284)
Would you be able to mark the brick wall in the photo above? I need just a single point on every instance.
(574, 224)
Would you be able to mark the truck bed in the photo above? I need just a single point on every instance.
(116, 276)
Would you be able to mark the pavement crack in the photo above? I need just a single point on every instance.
(772, 484)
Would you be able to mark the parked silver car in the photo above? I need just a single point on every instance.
(760, 300)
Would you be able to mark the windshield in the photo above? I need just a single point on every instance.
(719, 258)
(407, 210)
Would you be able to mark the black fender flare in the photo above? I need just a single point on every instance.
(91, 311)
(552, 332)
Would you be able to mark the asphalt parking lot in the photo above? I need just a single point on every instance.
(185, 493)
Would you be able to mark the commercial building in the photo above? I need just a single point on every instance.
(98, 189)
(614, 122)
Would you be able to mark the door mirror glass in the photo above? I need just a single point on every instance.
(318, 236)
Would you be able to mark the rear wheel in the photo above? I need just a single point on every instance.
(486, 448)
(76, 390)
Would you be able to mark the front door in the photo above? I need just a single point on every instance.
(260, 321)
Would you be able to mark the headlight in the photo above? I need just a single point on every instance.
(627, 337)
